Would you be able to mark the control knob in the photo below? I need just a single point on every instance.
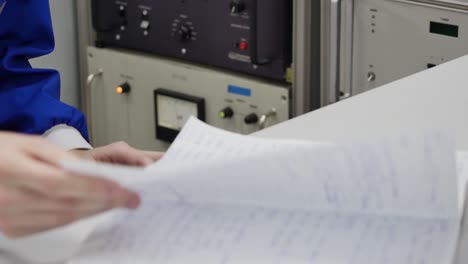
(184, 32)
(124, 88)
(251, 119)
(226, 113)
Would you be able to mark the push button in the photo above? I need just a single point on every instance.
(145, 24)
(243, 45)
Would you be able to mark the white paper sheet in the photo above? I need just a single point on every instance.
(172, 232)
(222, 198)
(53, 247)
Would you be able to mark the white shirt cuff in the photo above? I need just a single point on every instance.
(66, 137)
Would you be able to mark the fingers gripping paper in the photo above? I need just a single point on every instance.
(222, 198)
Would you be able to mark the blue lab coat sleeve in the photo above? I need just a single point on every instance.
(30, 98)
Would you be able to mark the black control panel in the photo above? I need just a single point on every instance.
(249, 36)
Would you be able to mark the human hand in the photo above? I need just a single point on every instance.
(37, 195)
(120, 153)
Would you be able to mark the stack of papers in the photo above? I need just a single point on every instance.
(222, 198)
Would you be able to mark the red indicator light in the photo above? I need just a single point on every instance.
(243, 45)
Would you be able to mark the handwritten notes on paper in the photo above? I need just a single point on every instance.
(222, 198)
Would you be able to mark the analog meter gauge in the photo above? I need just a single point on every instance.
(173, 109)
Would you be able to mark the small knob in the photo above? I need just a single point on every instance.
(226, 113)
(124, 88)
(251, 119)
(185, 33)
(236, 7)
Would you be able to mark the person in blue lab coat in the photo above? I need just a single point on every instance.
(35, 193)
(29, 98)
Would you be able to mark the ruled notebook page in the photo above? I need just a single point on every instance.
(222, 198)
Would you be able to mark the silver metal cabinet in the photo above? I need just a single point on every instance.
(368, 43)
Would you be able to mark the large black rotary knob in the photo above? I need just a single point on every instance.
(184, 32)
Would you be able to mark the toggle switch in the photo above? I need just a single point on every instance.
(226, 113)
(264, 119)
(145, 20)
(122, 16)
(251, 119)
(123, 88)
(122, 11)
(236, 6)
